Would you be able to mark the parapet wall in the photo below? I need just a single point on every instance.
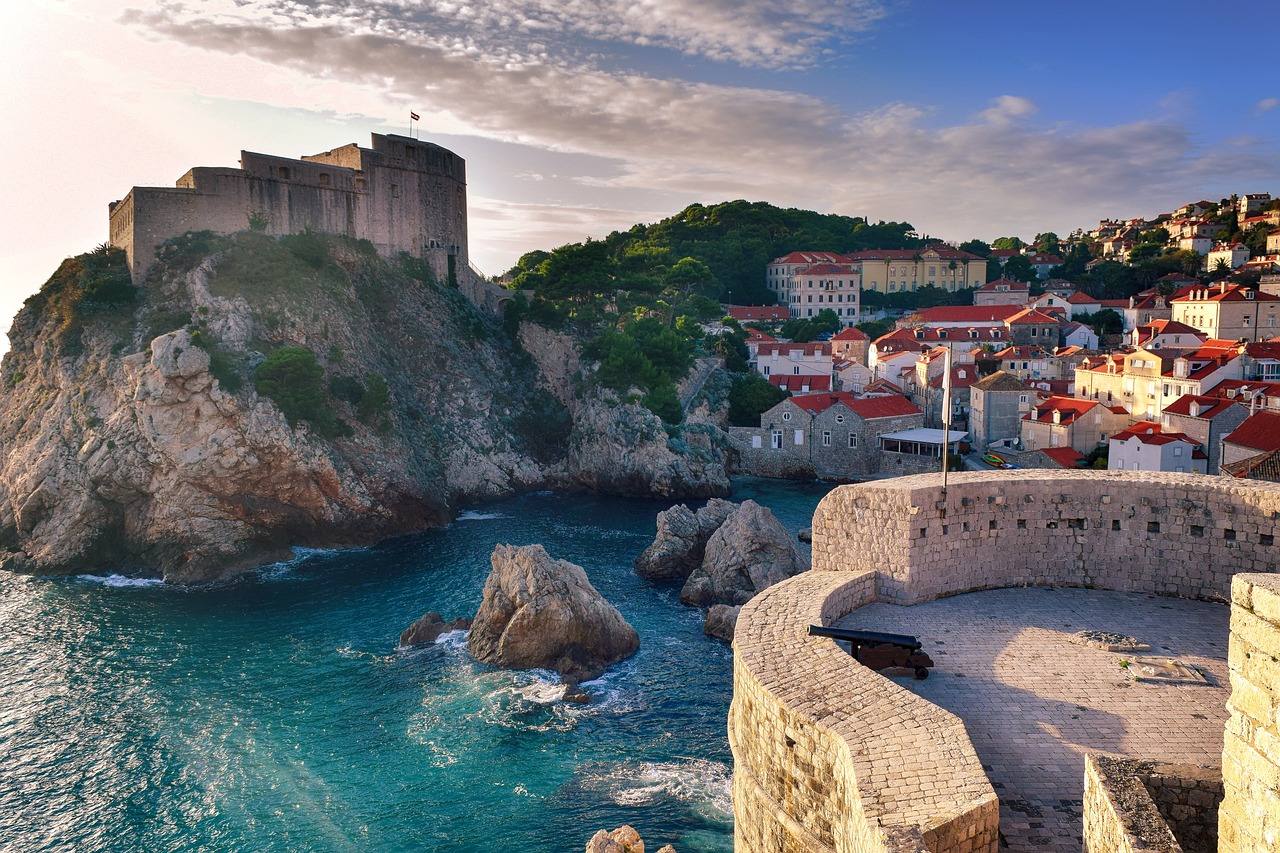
(1170, 534)
(831, 756)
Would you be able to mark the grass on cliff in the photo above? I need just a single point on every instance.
(291, 269)
(85, 288)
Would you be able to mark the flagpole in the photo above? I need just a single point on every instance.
(946, 416)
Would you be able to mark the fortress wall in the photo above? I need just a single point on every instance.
(1249, 818)
(806, 775)
(402, 195)
(1170, 534)
(831, 756)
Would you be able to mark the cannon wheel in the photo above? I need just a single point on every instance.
(921, 673)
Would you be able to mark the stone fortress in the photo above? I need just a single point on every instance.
(401, 194)
(832, 756)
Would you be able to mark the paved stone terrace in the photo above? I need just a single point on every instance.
(1035, 703)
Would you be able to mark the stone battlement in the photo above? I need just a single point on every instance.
(401, 194)
(831, 756)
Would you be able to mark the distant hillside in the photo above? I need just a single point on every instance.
(734, 240)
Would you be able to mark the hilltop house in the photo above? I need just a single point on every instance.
(1229, 311)
(793, 359)
(1002, 291)
(896, 270)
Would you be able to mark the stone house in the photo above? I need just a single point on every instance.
(996, 406)
(1031, 326)
(1205, 420)
(834, 435)
(1257, 434)
(1002, 291)
(1146, 307)
(1071, 422)
(852, 376)
(850, 344)
(1147, 446)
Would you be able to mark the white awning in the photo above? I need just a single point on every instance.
(921, 435)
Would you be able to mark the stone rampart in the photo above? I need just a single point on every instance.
(1148, 806)
(831, 756)
(1249, 819)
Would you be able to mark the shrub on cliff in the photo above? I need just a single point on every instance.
(291, 377)
(83, 287)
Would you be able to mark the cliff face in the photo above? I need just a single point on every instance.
(257, 394)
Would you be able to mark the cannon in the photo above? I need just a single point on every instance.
(876, 650)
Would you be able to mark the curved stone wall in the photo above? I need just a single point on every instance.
(831, 756)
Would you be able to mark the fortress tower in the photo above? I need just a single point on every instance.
(402, 194)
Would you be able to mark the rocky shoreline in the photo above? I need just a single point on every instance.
(133, 438)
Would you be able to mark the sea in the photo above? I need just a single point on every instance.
(276, 713)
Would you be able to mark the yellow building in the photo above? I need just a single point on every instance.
(896, 270)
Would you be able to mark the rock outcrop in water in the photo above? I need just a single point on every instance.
(255, 394)
(682, 539)
(624, 839)
(429, 628)
(750, 551)
(538, 612)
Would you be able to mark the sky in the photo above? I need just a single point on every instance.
(580, 117)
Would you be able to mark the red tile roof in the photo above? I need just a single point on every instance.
(1004, 284)
(804, 384)
(1080, 298)
(967, 313)
(1231, 293)
(1207, 407)
(945, 253)
(827, 269)
(866, 407)
(1260, 431)
(1263, 466)
(1032, 316)
(1039, 259)
(1069, 407)
(759, 312)
(755, 336)
(811, 258)
(851, 333)
(1064, 456)
(785, 349)
(1150, 432)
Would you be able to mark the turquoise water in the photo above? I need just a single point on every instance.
(275, 713)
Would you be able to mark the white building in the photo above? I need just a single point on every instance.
(1146, 446)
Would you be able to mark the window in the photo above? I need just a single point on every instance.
(786, 416)
(766, 373)
(755, 442)
(799, 436)
(795, 371)
(1022, 398)
(1177, 451)
(826, 438)
(775, 439)
(853, 439)
(839, 419)
(324, 179)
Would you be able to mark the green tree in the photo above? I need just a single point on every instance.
(1046, 243)
(664, 402)
(1008, 243)
(750, 396)
(376, 398)
(1018, 268)
(976, 247)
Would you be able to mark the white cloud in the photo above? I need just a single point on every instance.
(703, 141)
(1266, 105)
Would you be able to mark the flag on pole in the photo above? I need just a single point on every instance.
(413, 116)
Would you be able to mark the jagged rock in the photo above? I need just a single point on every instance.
(749, 552)
(624, 839)
(682, 540)
(805, 534)
(429, 628)
(666, 848)
(719, 621)
(538, 612)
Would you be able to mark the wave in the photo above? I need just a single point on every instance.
(120, 581)
(704, 786)
(473, 515)
(301, 556)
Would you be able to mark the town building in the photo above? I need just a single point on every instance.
(897, 270)
(1071, 422)
(1032, 327)
(1002, 291)
(779, 271)
(851, 344)
(833, 435)
(834, 286)
(1163, 334)
(1043, 263)
(1229, 311)
(745, 314)
(1147, 446)
(1079, 336)
(1205, 419)
(1231, 255)
(793, 359)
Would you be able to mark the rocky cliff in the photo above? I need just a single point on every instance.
(254, 394)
